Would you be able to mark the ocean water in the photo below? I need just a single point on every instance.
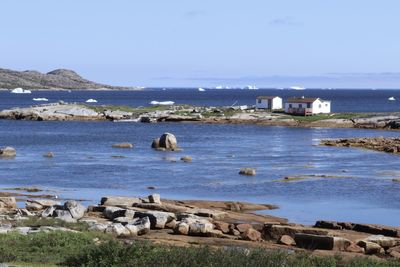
(345, 100)
(84, 167)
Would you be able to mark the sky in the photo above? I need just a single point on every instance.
(180, 43)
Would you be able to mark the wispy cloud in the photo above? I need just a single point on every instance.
(284, 21)
(194, 14)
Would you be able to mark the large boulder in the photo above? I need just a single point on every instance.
(139, 227)
(8, 152)
(309, 241)
(119, 201)
(113, 212)
(275, 231)
(384, 241)
(76, 209)
(64, 215)
(168, 141)
(155, 198)
(247, 171)
(158, 219)
(370, 247)
(251, 235)
(7, 203)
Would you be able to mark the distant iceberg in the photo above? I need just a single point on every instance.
(40, 99)
(297, 88)
(251, 87)
(201, 89)
(162, 103)
(91, 100)
(20, 91)
(391, 98)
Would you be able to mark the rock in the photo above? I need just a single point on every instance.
(113, 212)
(142, 226)
(49, 155)
(275, 231)
(33, 206)
(168, 141)
(119, 201)
(383, 241)
(124, 220)
(8, 152)
(7, 203)
(130, 214)
(370, 247)
(376, 229)
(171, 224)
(158, 219)
(64, 215)
(215, 214)
(181, 228)
(186, 159)
(396, 248)
(222, 226)
(99, 227)
(309, 241)
(76, 209)
(154, 198)
(25, 212)
(45, 203)
(48, 212)
(355, 249)
(200, 228)
(156, 143)
(215, 233)
(122, 145)
(287, 240)
(251, 235)
(118, 229)
(394, 254)
(243, 227)
(22, 230)
(328, 225)
(247, 171)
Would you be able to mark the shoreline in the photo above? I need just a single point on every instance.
(204, 223)
(192, 114)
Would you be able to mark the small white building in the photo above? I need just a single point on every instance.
(307, 106)
(269, 102)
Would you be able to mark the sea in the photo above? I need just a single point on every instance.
(344, 184)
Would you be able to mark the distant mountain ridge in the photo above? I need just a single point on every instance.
(56, 79)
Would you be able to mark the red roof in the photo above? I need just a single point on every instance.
(302, 99)
(266, 97)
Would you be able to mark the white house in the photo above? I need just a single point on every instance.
(269, 102)
(307, 106)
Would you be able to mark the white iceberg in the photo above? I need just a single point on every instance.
(297, 88)
(40, 99)
(91, 100)
(201, 89)
(162, 103)
(391, 98)
(20, 91)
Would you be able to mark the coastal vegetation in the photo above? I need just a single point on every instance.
(90, 249)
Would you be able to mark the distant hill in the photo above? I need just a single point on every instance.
(56, 79)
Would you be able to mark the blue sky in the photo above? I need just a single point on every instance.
(311, 43)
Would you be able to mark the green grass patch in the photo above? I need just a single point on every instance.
(94, 249)
(319, 117)
(38, 221)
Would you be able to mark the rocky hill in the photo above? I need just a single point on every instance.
(56, 79)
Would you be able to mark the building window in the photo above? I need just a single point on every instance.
(300, 105)
(290, 106)
(308, 105)
(320, 105)
(259, 101)
(326, 105)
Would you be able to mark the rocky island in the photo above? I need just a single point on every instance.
(186, 113)
(56, 79)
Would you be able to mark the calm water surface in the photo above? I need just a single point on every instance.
(84, 166)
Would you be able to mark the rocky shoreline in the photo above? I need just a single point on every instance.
(383, 144)
(215, 223)
(183, 113)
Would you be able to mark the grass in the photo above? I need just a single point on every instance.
(95, 249)
(319, 117)
(37, 222)
(126, 108)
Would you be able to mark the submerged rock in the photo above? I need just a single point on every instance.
(168, 141)
(8, 152)
(122, 145)
(247, 171)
